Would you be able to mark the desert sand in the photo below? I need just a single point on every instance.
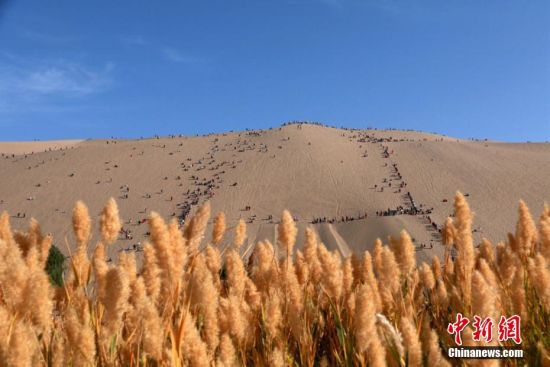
(31, 147)
(341, 182)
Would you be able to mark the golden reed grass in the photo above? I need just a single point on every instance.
(204, 305)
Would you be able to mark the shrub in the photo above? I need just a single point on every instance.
(55, 266)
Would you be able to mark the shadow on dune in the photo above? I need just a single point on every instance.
(348, 237)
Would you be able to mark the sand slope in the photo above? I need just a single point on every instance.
(31, 147)
(311, 170)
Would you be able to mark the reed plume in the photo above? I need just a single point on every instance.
(147, 322)
(227, 355)
(436, 267)
(116, 299)
(110, 222)
(151, 272)
(302, 268)
(404, 253)
(388, 279)
(82, 225)
(100, 268)
(236, 273)
(233, 319)
(544, 233)
(192, 304)
(310, 255)
(160, 236)
(367, 338)
(287, 233)
(526, 232)
(240, 234)
(484, 297)
(194, 231)
(81, 344)
(427, 276)
(178, 250)
(369, 278)
(332, 280)
(486, 251)
(205, 298)
(435, 357)
(273, 314)
(219, 228)
(347, 276)
(193, 347)
(6, 233)
(265, 267)
(213, 263)
(465, 248)
(377, 256)
(449, 232)
(38, 303)
(539, 272)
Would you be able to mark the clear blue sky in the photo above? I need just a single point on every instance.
(467, 68)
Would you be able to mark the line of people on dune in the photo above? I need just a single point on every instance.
(344, 218)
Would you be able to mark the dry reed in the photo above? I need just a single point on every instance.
(307, 307)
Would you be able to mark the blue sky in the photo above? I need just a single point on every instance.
(81, 69)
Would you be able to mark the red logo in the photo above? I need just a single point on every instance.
(508, 328)
(457, 327)
(483, 328)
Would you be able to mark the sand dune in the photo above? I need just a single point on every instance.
(31, 147)
(314, 171)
